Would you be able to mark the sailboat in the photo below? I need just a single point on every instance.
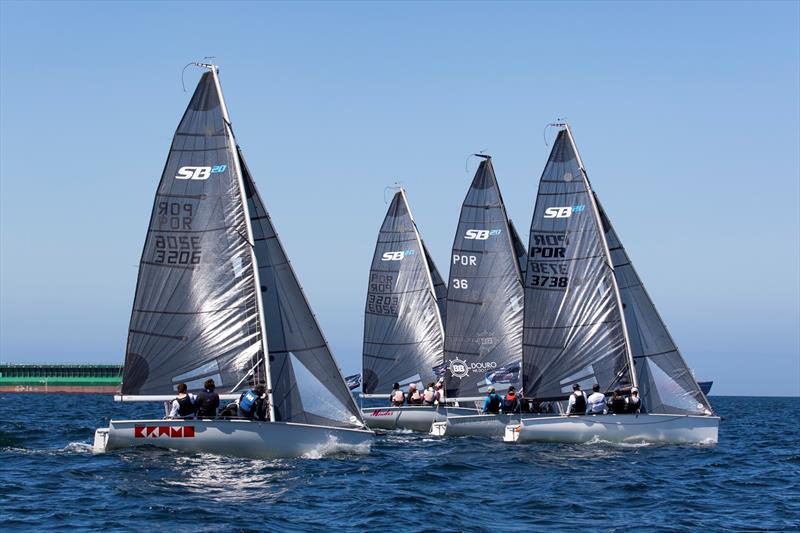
(484, 305)
(403, 321)
(589, 320)
(217, 298)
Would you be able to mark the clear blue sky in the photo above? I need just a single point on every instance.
(687, 116)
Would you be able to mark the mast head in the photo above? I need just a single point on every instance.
(210, 66)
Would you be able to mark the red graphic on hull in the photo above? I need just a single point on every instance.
(172, 432)
(381, 412)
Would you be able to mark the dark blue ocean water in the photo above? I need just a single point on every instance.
(49, 480)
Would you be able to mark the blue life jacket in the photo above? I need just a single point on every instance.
(247, 401)
(493, 405)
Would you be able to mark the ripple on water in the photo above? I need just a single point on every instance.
(49, 480)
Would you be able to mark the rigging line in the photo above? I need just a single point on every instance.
(560, 122)
(479, 154)
(196, 64)
(396, 187)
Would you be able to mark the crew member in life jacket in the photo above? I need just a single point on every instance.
(511, 403)
(616, 404)
(254, 404)
(430, 396)
(414, 397)
(207, 401)
(596, 402)
(633, 404)
(439, 391)
(577, 401)
(397, 397)
(493, 401)
(183, 405)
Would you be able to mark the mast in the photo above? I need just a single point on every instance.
(606, 251)
(427, 268)
(235, 156)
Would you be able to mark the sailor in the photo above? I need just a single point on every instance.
(183, 404)
(439, 391)
(253, 404)
(596, 402)
(493, 401)
(577, 401)
(429, 397)
(511, 403)
(414, 397)
(617, 403)
(633, 403)
(207, 401)
(397, 397)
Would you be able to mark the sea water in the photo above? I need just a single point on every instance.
(50, 480)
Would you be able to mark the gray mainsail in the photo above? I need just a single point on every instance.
(307, 385)
(195, 313)
(666, 384)
(403, 332)
(574, 330)
(485, 294)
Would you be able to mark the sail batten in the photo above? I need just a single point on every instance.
(485, 293)
(403, 329)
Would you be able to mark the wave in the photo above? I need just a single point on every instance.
(333, 447)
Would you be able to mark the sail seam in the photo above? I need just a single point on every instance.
(176, 337)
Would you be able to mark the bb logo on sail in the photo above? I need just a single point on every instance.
(198, 173)
(563, 212)
(458, 368)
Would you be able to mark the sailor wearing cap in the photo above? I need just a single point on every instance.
(492, 402)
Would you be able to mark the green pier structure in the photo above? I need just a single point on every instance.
(79, 379)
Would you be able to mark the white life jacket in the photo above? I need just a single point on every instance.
(429, 396)
(398, 396)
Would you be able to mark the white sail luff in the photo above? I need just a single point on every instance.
(425, 262)
(256, 279)
(607, 254)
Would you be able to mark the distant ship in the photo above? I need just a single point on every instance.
(81, 379)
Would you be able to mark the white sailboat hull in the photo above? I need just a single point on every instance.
(655, 428)
(411, 417)
(487, 425)
(238, 438)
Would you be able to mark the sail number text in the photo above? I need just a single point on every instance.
(172, 250)
(377, 302)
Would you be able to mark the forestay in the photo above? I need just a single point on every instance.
(485, 295)
(665, 382)
(403, 332)
(574, 331)
(307, 384)
(195, 311)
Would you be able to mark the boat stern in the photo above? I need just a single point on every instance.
(100, 440)
(438, 429)
(512, 433)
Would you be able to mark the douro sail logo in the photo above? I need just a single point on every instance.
(458, 368)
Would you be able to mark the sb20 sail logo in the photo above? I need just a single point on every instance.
(396, 256)
(198, 173)
(563, 212)
(481, 234)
